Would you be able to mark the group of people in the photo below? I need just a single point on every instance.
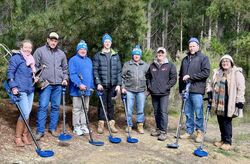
(136, 79)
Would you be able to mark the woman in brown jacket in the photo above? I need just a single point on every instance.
(228, 90)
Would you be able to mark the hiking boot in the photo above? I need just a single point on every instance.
(85, 129)
(162, 136)
(112, 126)
(156, 133)
(19, 132)
(185, 136)
(218, 143)
(53, 133)
(100, 128)
(128, 129)
(226, 147)
(77, 130)
(39, 136)
(140, 128)
(199, 136)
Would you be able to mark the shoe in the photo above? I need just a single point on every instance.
(155, 133)
(53, 133)
(39, 136)
(226, 147)
(185, 136)
(100, 128)
(199, 136)
(128, 129)
(112, 126)
(162, 136)
(77, 130)
(218, 143)
(140, 128)
(85, 129)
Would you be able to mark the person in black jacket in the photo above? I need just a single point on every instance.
(161, 76)
(107, 76)
(195, 68)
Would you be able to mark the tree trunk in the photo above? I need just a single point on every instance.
(181, 35)
(202, 28)
(149, 25)
(238, 31)
(210, 30)
(165, 31)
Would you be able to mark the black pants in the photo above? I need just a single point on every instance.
(225, 124)
(108, 93)
(160, 104)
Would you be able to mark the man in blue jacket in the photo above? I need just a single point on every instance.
(195, 68)
(81, 81)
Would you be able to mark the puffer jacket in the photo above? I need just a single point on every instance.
(19, 74)
(197, 66)
(134, 76)
(107, 69)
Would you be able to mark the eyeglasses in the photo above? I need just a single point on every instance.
(226, 61)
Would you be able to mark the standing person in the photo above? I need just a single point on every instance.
(134, 86)
(228, 90)
(81, 80)
(20, 72)
(55, 75)
(195, 68)
(161, 77)
(107, 74)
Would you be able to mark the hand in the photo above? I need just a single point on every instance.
(118, 89)
(124, 91)
(15, 91)
(36, 79)
(239, 105)
(82, 87)
(64, 82)
(99, 87)
(186, 77)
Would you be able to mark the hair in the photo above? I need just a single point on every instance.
(25, 41)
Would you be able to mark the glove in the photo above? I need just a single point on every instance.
(239, 105)
(210, 95)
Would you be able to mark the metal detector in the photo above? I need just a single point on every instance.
(129, 138)
(185, 95)
(91, 141)
(110, 137)
(64, 136)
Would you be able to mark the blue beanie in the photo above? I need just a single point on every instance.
(106, 37)
(194, 40)
(137, 50)
(81, 44)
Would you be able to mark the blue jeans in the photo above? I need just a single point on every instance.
(139, 98)
(51, 93)
(194, 104)
(25, 103)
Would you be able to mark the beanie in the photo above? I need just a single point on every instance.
(137, 50)
(194, 40)
(81, 44)
(227, 57)
(106, 37)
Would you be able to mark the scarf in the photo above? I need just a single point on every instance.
(30, 61)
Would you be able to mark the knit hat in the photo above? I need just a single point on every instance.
(193, 39)
(161, 49)
(81, 44)
(137, 50)
(53, 35)
(106, 37)
(227, 57)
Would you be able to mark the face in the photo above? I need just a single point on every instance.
(226, 64)
(160, 56)
(193, 47)
(26, 48)
(52, 43)
(82, 52)
(107, 44)
(136, 58)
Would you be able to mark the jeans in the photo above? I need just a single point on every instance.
(160, 104)
(51, 93)
(139, 98)
(78, 115)
(25, 103)
(194, 104)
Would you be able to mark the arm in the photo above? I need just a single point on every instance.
(65, 68)
(96, 66)
(205, 71)
(73, 73)
(172, 76)
(119, 69)
(124, 72)
(240, 84)
(13, 65)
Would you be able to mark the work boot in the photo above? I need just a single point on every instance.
(140, 128)
(100, 128)
(19, 132)
(155, 133)
(199, 136)
(218, 143)
(185, 136)
(112, 126)
(25, 137)
(162, 136)
(128, 129)
(226, 147)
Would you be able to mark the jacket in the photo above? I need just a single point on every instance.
(19, 74)
(160, 78)
(55, 60)
(107, 69)
(80, 72)
(197, 66)
(134, 76)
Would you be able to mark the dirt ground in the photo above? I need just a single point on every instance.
(147, 150)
